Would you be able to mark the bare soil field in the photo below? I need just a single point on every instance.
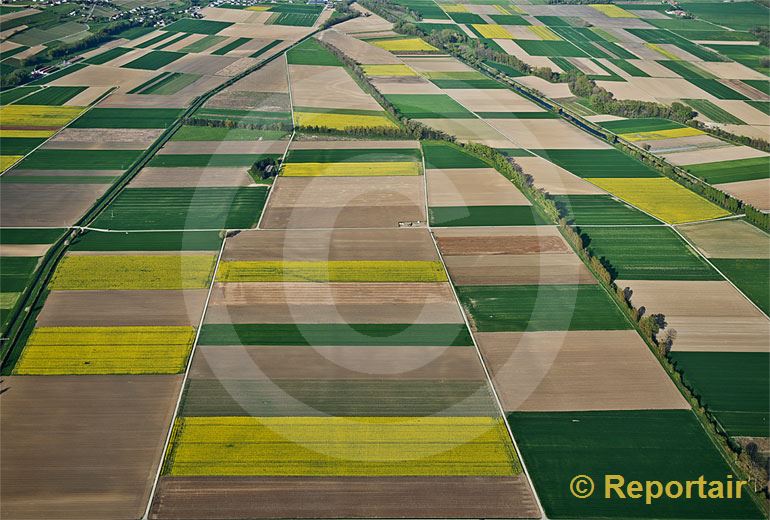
(730, 69)
(447, 64)
(240, 99)
(337, 363)
(352, 145)
(120, 100)
(153, 177)
(708, 316)
(677, 144)
(577, 370)
(370, 22)
(500, 240)
(756, 193)
(474, 187)
(46, 205)
(271, 32)
(525, 269)
(82, 447)
(24, 249)
(492, 100)
(223, 147)
(728, 239)
(221, 14)
(202, 64)
(755, 132)
(122, 308)
(270, 78)
(329, 245)
(358, 50)
(405, 85)
(725, 153)
(747, 90)
(345, 497)
(475, 130)
(555, 179)
(105, 76)
(104, 138)
(546, 134)
(327, 87)
(344, 216)
(87, 97)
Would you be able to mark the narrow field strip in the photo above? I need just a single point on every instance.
(332, 271)
(351, 169)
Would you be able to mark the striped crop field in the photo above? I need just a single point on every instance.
(492, 31)
(106, 350)
(613, 11)
(404, 45)
(332, 271)
(544, 33)
(662, 198)
(104, 272)
(352, 169)
(13, 116)
(342, 121)
(388, 70)
(656, 135)
(341, 446)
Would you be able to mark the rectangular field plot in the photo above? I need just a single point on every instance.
(444, 155)
(54, 96)
(514, 308)
(662, 445)
(732, 171)
(732, 386)
(350, 169)
(105, 272)
(311, 52)
(485, 216)
(194, 25)
(598, 163)
(353, 155)
(185, 208)
(45, 159)
(601, 209)
(364, 446)
(340, 120)
(332, 271)
(36, 116)
(105, 350)
(127, 118)
(728, 239)
(429, 106)
(148, 241)
(154, 60)
(751, 275)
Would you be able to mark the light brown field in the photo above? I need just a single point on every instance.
(103, 139)
(470, 130)
(330, 245)
(270, 32)
(24, 249)
(577, 370)
(447, 64)
(744, 112)
(352, 145)
(203, 64)
(223, 147)
(46, 205)
(501, 240)
(82, 447)
(755, 132)
(105, 76)
(725, 153)
(86, 97)
(546, 133)
(241, 99)
(677, 144)
(526, 269)
(291, 302)
(728, 239)
(756, 192)
(555, 179)
(472, 187)
(655, 69)
(122, 308)
(370, 22)
(730, 69)
(345, 497)
(359, 51)
(327, 87)
(221, 14)
(404, 85)
(492, 100)
(745, 89)
(158, 177)
(270, 78)
(708, 316)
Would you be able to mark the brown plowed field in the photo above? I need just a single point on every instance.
(482, 187)
(518, 269)
(46, 205)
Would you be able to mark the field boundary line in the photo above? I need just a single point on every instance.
(184, 379)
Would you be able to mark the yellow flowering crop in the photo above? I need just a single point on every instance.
(37, 115)
(492, 31)
(258, 8)
(454, 8)
(342, 121)
(544, 33)
(388, 70)
(404, 45)
(6, 161)
(350, 169)
(332, 271)
(656, 135)
(613, 11)
(663, 52)
(28, 133)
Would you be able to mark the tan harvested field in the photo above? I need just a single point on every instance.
(336, 363)
(220, 14)
(121, 100)
(319, 202)
(270, 78)
(157, 177)
(405, 85)
(203, 64)
(105, 76)
(82, 447)
(122, 308)
(447, 64)
(358, 50)
(304, 302)
(728, 239)
(526, 269)
(513, 240)
(681, 144)
(546, 133)
(755, 132)
(241, 99)
(270, 32)
(577, 370)
(492, 100)
(46, 205)
(555, 179)
(473, 130)
(552, 90)
(367, 23)
(352, 145)
(330, 244)
(472, 187)
(103, 139)
(327, 87)
(223, 147)
(625, 91)
(725, 153)
(756, 193)
(730, 69)
(513, 49)
(708, 316)
(87, 97)
(655, 69)
(747, 90)
(24, 249)
(344, 497)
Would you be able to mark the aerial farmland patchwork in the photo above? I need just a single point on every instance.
(385, 259)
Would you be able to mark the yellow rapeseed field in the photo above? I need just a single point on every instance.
(83, 272)
(454, 8)
(342, 121)
(656, 135)
(37, 115)
(502, 10)
(342, 446)
(28, 133)
(492, 31)
(106, 350)
(662, 198)
(544, 33)
(332, 271)
(613, 11)
(404, 45)
(258, 8)
(350, 169)
(6, 161)
(388, 70)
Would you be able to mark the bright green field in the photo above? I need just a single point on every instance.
(109, 55)
(485, 216)
(53, 95)
(334, 334)
(224, 160)
(601, 210)
(203, 44)
(733, 386)
(713, 112)
(741, 16)
(751, 275)
(127, 118)
(732, 171)
(519, 308)
(429, 106)
(148, 241)
(29, 235)
(444, 155)
(15, 272)
(551, 48)
(184, 208)
(154, 60)
(660, 445)
(717, 89)
(647, 253)
(197, 26)
(646, 124)
(310, 52)
(597, 163)
(211, 133)
(53, 159)
(354, 155)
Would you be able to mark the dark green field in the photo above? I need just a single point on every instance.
(713, 112)
(717, 89)
(29, 236)
(485, 216)
(647, 253)
(310, 52)
(264, 49)
(519, 308)
(466, 18)
(169, 84)
(8, 96)
(168, 43)
(601, 209)
(148, 241)
(732, 171)
(551, 48)
(19, 145)
(429, 106)
(478, 83)
(53, 95)
(101, 59)
(184, 208)
(646, 124)
(354, 155)
(212, 133)
(202, 160)
(444, 155)
(127, 118)
(334, 334)
(197, 26)
(751, 275)
(52, 159)
(15, 272)
(597, 163)
(154, 60)
(660, 445)
(733, 386)
(231, 46)
(153, 41)
(203, 44)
